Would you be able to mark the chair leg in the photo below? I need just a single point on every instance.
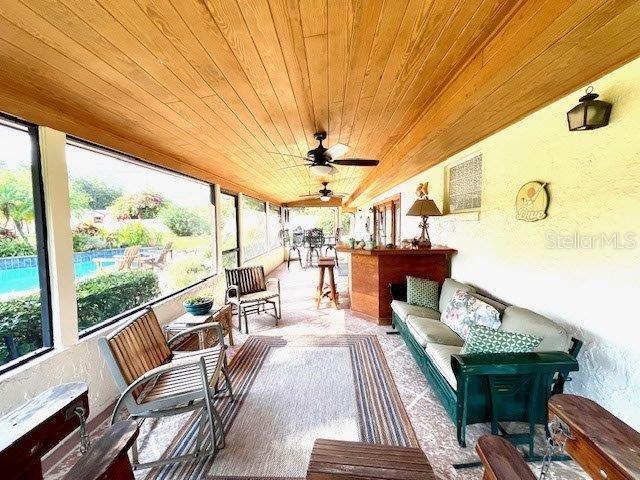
(202, 422)
(279, 309)
(219, 420)
(246, 322)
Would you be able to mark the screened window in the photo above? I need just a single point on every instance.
(25, 317)
(229, 229)
(139, 232)
(254, 233)
(275, 227)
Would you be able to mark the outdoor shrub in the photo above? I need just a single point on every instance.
(139, 205)
(15, 248)
(99, 298)
(183, 221)
(188, 270)
(86, 243)
(86, 228)
(107, 295)
(137, 234)
(8, 233)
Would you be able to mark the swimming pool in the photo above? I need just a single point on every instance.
(24, 279)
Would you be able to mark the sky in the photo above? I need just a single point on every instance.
(15, 153)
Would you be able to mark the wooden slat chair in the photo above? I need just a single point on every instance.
(125, 262)
(249, 292)
(155, 381)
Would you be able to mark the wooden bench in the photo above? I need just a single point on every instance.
(339, 460)
(602, 444)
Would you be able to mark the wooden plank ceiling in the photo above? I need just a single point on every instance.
(210, 87)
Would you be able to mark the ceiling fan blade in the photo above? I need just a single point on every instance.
(338, 150)
(309, 196)
(294, 166)
(356, 162)
(288, 155)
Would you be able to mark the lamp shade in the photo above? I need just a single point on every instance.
(589, 114)
(424, 207)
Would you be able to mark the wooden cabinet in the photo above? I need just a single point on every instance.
(371, 272)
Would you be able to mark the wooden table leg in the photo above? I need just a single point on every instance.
(229, 320)
(320, 286)
(332, 286)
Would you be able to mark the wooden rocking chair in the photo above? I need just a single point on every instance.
(155, 381)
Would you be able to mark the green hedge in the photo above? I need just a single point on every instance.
(10, 247)
(99, 298)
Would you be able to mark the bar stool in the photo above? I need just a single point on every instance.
(326, 263)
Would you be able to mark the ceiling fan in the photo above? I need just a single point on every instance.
(324, 193)
(321, 160)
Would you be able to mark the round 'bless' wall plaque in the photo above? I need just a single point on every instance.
(532, 202)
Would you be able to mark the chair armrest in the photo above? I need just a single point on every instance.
(199, 328)
(273, 284)
(232, 291)
(398, 291)
(512, 363)
(501, 460)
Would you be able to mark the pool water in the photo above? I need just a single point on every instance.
(15, 280)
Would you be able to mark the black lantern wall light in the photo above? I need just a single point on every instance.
(589, 114)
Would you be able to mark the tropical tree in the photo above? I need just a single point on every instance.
(16, 199)
(100, 194)
(138, 205)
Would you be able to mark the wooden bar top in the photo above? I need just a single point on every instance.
(435, 250)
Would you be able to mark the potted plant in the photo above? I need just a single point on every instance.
(198, 305)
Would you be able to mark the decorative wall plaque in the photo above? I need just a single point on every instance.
(532, 202)
(464, 189)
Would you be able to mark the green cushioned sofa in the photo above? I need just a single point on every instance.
(436, 348)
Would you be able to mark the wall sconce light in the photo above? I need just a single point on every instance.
(589, 114)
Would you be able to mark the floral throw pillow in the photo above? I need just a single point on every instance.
(422, 292)
(464, 311)
(487, 340)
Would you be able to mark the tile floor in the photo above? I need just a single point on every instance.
(431, 423)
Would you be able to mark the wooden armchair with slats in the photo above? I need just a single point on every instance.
(248, 291)
(155, 381)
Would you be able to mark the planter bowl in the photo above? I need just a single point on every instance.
(199, 308)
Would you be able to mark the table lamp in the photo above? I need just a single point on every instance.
(424, 207)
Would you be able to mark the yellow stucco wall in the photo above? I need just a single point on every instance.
(594, 186)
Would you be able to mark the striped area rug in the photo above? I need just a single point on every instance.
(289, 389)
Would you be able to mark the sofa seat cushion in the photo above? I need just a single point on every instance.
(521, 320)
(440, 355)
(427, 330)
(404, 309)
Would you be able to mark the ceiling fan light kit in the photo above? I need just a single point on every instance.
(322, 170)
